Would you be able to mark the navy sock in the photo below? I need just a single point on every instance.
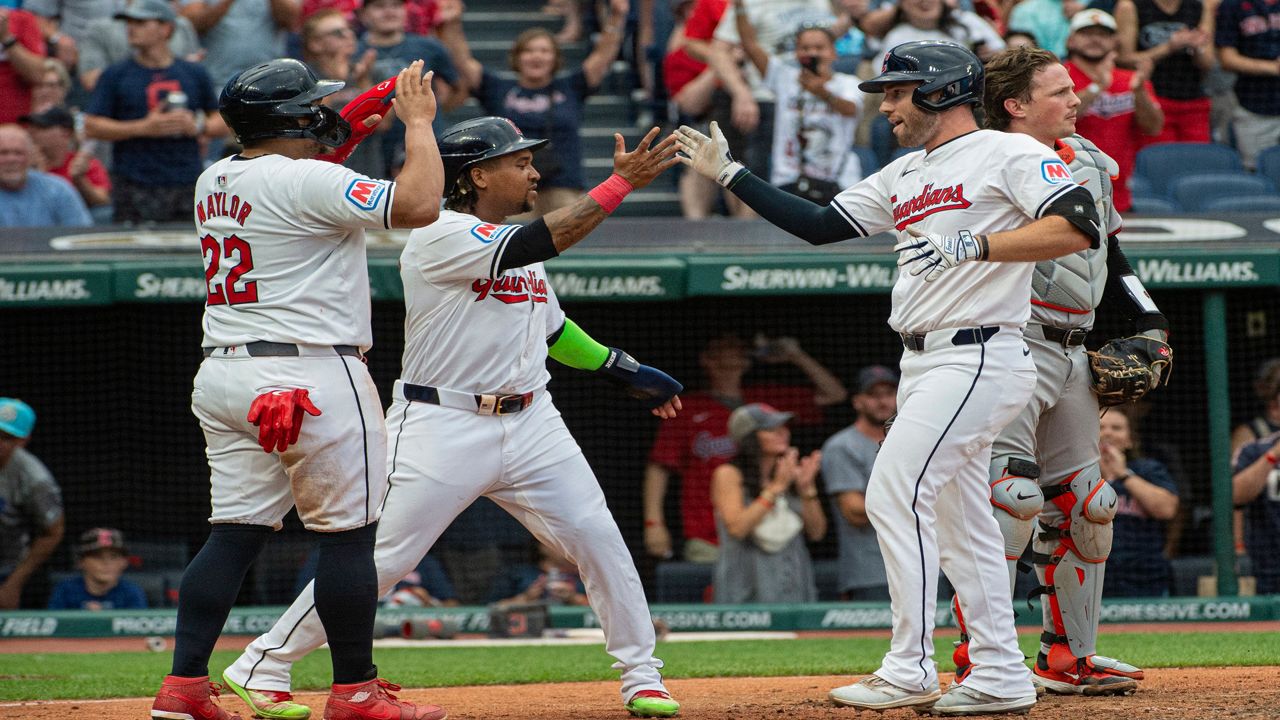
(346, 600)
(209, 588)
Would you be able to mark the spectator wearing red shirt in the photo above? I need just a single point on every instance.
(54, 134)
(22, 53)
(1118, 110)
(697, 441)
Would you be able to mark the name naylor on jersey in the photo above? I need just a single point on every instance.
(930, 200)
(365, 194)
(218, 205)
(511, 289)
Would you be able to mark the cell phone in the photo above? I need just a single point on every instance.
(811, 64)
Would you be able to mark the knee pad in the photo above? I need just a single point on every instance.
(1089, 504)
(1017, 499)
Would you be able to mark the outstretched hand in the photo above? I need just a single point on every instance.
(640, 166)
(708, 156)
(415, 100)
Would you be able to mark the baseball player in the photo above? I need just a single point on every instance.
(1046, 462)
(974, 210)
(285, 326)
(471, 415)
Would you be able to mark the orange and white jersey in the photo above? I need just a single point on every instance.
(467, 326)
(284, 250)
(984, 182)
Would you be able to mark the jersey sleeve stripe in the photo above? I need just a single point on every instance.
(857, 226)
(497, 255)
(386, 209)
(1049, 200)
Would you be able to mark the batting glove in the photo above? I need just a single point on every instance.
(709, 156)
(279, 415)
(647, 384)
(932, 254)
(373, 101)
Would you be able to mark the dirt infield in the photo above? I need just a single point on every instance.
(1172, 694)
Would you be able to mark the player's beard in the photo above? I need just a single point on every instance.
(922, 127)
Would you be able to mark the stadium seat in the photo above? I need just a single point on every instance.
(1191, 192)
(1139, 185)
(1152, 205)
(1244, 203)
(1187, 571)
(1269, 164)
(1163, 162)
(682, 582)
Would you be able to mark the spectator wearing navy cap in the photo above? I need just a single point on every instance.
(54, 133)
(847, 457)
(102, 559)
(31, 521)
(30, 197)
(154, 108)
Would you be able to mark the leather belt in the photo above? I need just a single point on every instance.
(481, 404)
(1065, 338)
(967, 336)
(264, 348)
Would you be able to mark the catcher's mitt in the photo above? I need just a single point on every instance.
(1125, 369)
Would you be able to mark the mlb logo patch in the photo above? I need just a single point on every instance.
(365, 194)
(221, 181)
(1055, 172)
(488, 232)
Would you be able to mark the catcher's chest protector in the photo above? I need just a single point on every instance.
(1075, 282)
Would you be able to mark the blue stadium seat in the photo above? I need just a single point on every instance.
(1139, 185)
(1244, 203)
(1191, 192)
(1152, 205)
(1269, 164)
(1162, 162)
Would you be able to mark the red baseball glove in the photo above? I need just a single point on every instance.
(373, 101)
(279, 415)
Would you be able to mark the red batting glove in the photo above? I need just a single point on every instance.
(278, 415)
(373, 101)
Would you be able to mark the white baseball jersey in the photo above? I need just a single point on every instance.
(984, 182)
(284, 250)
(467, 327)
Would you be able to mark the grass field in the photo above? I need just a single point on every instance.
(137, 674)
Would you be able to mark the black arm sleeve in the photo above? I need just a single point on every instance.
(527, 245)
(1076, 205)
(1115, 295)
(815, 224)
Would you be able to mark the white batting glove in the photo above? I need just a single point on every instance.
(933, 254)
(709, 156)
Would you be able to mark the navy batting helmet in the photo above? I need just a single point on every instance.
(469, 142)
(940, 65)
(279, 99)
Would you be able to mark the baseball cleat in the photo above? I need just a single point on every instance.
(372, 700)
(182, 698)
(961, 700)
(875, 693)
(653, 703)
(270, 704)
(1087, 681)
(1112, 666)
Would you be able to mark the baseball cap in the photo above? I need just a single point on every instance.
(873, 375)
(148, 10)
(1092, 18)
(56, 116)
(100, 539)
(755, 416)
(16, 417)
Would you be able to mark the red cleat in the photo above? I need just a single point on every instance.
(372, 700)
(188, 699)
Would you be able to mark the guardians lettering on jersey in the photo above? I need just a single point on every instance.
(928, 202)
(512, 289)
(216, 205)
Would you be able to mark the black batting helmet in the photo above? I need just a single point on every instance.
(940, 65)
(270, 101)
(469, 142)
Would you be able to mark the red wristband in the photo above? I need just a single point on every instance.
(1271, 458)
(610, 192)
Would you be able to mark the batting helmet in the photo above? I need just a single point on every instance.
(274, 99)
(940, 65)
(469, 142)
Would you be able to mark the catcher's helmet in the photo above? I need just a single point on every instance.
(469, 142)
(940, 65)
(271, 100)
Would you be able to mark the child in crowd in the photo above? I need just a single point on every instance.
(102, 559)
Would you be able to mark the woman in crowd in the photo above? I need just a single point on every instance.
(541, 100)
(939, 20)
(1148, 500)
(766, 504)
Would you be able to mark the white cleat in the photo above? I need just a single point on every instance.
(960, 700)
(875, 693)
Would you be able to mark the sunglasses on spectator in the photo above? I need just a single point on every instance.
(336, 32)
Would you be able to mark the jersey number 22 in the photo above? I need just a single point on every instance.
(227, 292)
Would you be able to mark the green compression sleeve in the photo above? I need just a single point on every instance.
(575, 348)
